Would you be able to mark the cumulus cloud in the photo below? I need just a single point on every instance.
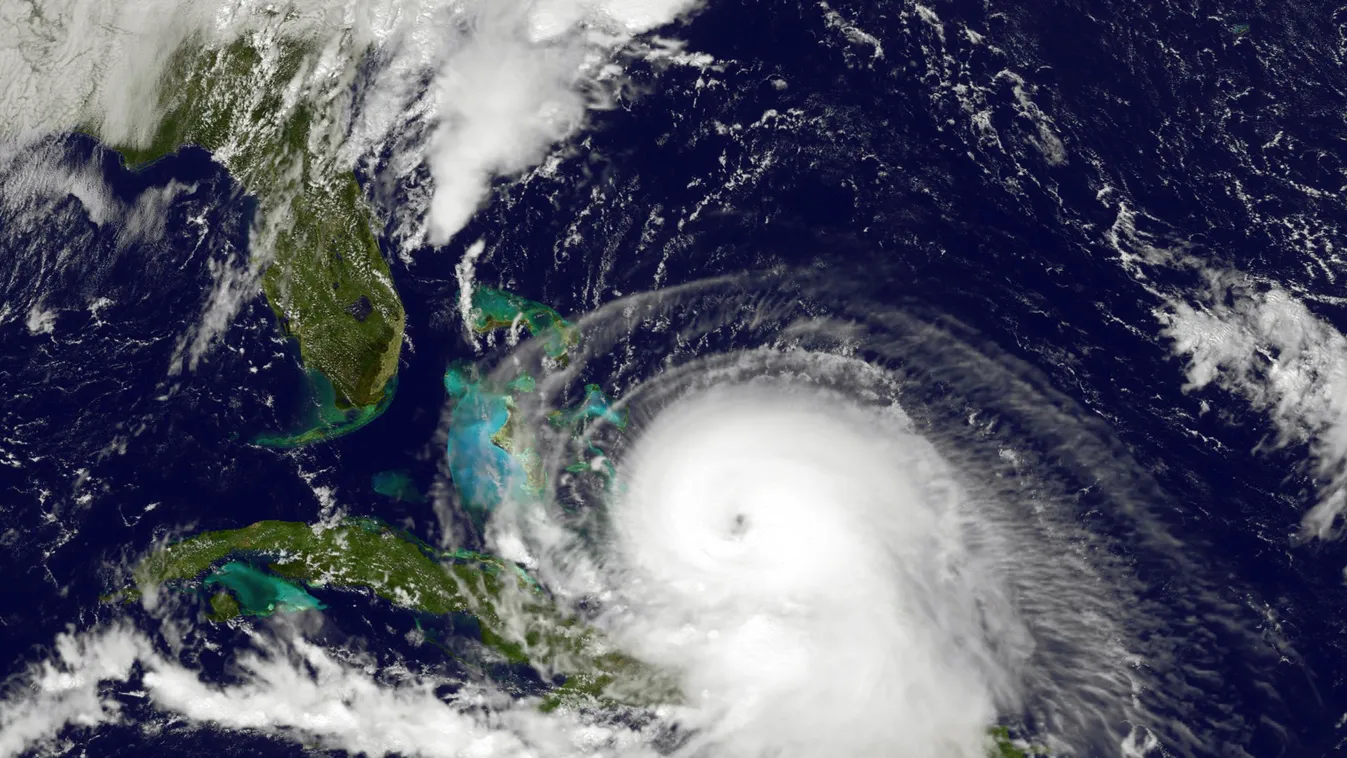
(1253, 338)
(35, 179)
(65, 689)
(1261, 342)
(516, 79)
(502, 100)
(43, 185)
(145, 220)
(291, 689)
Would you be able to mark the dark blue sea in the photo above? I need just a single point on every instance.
(1055, 177)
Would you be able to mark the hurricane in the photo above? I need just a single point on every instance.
(849, 526)
(671, 378)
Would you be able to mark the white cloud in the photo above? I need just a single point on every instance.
(802, 564)
(40, 320)
(34, 180)
(1253, 338)
(502, 101)
(514, 82)
(1259, 341)
(291, 689)
(340, 706)
(145, 220)
(64, 689)
(510, 77)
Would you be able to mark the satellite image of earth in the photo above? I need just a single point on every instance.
(693, 378)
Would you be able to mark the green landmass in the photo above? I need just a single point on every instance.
(325, 416)
(266, 565)
(250, 104)
(1006, 746)
(224, 607)
(357, 553)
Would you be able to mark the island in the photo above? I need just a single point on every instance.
(271, 566)
(493, 309)
(596, 405)
(493, 454)
(1006, 745)
(253, 105)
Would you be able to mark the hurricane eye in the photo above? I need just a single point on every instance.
(739, 526)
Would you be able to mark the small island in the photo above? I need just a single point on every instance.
(492, 453)
(494, 309)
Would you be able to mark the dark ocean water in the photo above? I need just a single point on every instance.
(977, 160)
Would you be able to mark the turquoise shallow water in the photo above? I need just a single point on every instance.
(484, 472)
(480, 469)
(596, 405)
(1054, 181)
(398, 485)
(261, 594)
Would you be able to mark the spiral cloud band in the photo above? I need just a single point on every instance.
(850, 527)
(838, 526)
(782, 550)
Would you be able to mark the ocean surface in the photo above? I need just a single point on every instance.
(1141, 204)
